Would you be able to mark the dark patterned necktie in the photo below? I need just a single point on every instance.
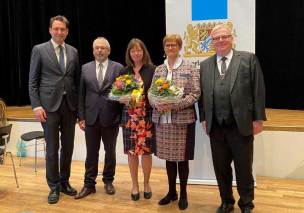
(61, 59)
(223, 66)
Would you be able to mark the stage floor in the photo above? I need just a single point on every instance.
(272, 195)
(277, 119)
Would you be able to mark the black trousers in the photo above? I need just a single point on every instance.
(227, 145)
(63, 121)
(93, 135)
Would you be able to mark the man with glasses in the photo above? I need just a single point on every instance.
(99, 117)
(232, 111)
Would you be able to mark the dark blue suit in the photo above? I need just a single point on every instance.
(102, 118)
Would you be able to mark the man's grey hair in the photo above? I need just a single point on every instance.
(104, 39)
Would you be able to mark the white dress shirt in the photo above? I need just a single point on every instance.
(227, 61)
(104, 68)
(57, 51)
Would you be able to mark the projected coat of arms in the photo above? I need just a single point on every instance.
(197, 39)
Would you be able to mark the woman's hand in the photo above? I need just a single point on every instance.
(163, 107)
(125, 102)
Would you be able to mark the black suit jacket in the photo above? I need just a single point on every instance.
(247, 90)
(47, 82)
(94, 101)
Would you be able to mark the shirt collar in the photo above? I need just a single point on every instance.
(228, 56)
(55, 45)
(177, 63)
(105, 63)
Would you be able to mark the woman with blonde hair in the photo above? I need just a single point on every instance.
(175, 129)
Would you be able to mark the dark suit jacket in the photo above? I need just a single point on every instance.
(247, 90)
(94, 101)
(47, 82)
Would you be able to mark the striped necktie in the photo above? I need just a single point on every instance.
(223, 66)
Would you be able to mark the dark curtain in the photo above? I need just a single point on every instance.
(279, 43)
(25, 23)
(279, 46)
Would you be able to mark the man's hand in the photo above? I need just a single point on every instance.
(81, 124)
(257, 127)
(40, 115)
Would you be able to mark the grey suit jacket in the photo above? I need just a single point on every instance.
(47, 83)
(94, 101)
(247, 90)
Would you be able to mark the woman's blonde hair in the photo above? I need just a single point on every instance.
(173, 37)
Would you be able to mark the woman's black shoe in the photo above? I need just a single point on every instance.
(147, 195)
(167, 199)
(135, 197)
(183, 203)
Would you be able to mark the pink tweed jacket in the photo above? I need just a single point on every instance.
(186, 76)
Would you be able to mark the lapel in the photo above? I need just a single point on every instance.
(93, 76)
(107, 77)
(210, 75)
(51, 52)
(69, 56)
(234, 67)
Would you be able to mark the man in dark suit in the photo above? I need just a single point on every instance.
(53, 89)
(232, 110)
(99, 117)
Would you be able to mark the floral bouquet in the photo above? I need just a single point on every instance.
(126, 88)
(164, 92)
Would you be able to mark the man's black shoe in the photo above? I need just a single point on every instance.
(85, 191)
(225, 208)
(53, 196)
(246, 210)
(109, 188)
(67, 189)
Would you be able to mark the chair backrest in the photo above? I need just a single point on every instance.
(3, 118)
(5, 130)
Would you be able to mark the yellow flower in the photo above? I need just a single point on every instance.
(128, 81)
(136, 94)
(159, 81)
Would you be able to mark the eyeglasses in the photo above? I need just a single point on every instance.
(100, 48)
(222, 37)
(170, 45)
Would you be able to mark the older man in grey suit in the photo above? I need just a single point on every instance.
(99, 117)
(53, 89)
(232, 110)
